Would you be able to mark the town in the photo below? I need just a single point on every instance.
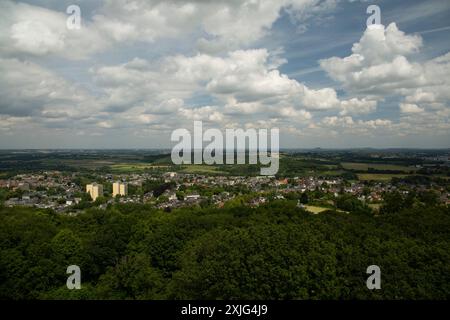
(67, 193)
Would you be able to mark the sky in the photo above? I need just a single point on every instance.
(136, 70)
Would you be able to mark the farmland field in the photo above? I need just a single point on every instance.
(378, 166)
(199, 168)
(135, 167)
(379, 176)
(81, 163)
(331, 173)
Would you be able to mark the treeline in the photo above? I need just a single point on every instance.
(275, 251)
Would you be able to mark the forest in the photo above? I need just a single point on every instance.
(274, 251)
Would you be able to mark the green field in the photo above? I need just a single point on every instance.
(378, 166)
(378, 176)
(165, 160)
(316, 209)
(201, 168)
(135, 167)
(331, 173)
(81, 163)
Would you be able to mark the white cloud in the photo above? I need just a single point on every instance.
(335, 126)
(32, 30)
(293, 114)
(105, 124)
(243, 84)
(206, 113)
(378, 64)
(226, 23)
(379, 44)
(321, 99)
(355, 106)
(28, 89)
(226, 84)
(410, 108)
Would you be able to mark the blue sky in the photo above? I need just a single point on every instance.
(137, 70)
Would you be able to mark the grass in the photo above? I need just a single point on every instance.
(316, 209)
(201, 168)
(378, 166)
(378, 176)
(375, 206)
(331, 173)
(163, 160)
(82, 163)
(134, 167)
(319, 209)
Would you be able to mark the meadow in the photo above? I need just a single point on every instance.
(202, 168)
(362, 166)
(378, 176)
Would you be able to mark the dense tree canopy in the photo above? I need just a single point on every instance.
(275, 251)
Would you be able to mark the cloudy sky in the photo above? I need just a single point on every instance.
(138, 69)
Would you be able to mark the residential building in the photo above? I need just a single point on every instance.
(95, 190)
(120, 189)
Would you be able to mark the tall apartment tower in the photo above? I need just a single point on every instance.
(95, 190)
(120, 188)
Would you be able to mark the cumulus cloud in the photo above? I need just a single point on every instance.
(356, 106)
(346, 125)
(226, 24)
(37, 31)
(382, 65)
(379, 44)
(33, 30)
(249, 81)
(378, 64)
(231, 81)
(206, 113)
(243, 83)
(410, 108)
(433, 93)
(28, 89)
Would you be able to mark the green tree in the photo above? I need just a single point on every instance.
(304, 198)
(133, 277)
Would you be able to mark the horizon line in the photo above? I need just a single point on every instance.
(281, 148)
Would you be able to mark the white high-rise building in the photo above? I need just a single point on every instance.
(120, 188)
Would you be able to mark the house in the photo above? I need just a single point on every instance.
(172, 197)
(192, 197)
